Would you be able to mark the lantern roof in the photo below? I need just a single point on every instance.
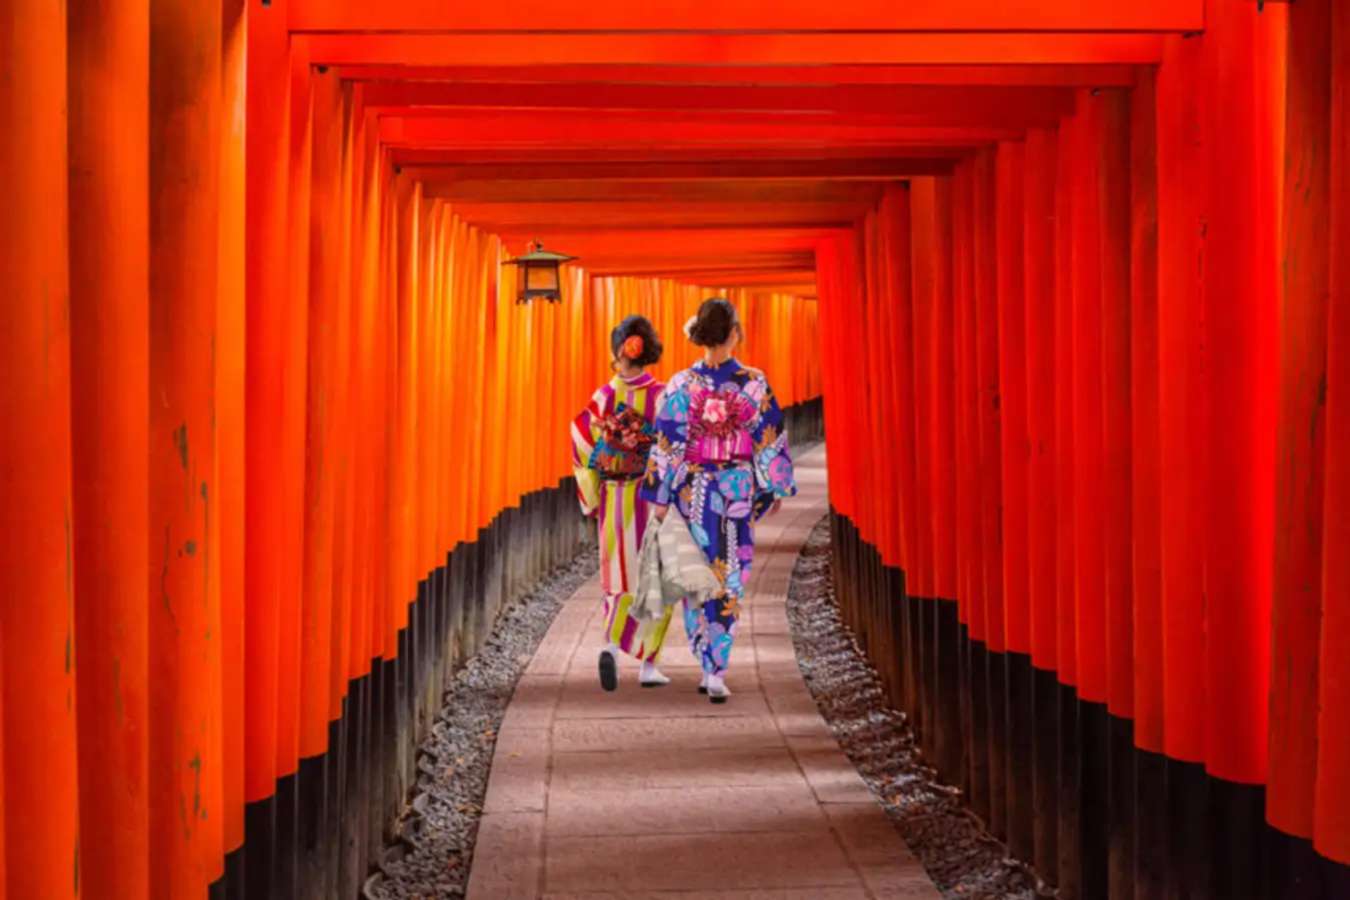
(539, 255)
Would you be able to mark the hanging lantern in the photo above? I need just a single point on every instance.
(539, 277)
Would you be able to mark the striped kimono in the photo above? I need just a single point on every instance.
(611, 440)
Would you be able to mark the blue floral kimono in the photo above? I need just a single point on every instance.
(722, 457)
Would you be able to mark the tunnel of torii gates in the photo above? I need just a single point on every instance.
(1072, 278)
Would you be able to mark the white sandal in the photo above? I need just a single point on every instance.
(649, 676)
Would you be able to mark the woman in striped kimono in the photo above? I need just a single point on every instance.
(721, 456)
(611, 440)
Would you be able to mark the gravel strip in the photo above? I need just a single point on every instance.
(440, 825)
(961, 857)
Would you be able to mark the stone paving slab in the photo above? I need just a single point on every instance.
(604, 770)
(650, 736)
(697, 862)
(813, 893)
(519, 778)
(680, 698)
(513, 863)
(828, 771)
(533, 703)
(554, 653)
(687, 810)
(658, 793)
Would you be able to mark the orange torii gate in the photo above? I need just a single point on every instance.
(276, 431)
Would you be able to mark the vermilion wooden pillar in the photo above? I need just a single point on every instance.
(898, 298)
(341, 449)
(364, 398)
(443, 233)
(987, 670)
(827, 266)
(845, 337)
(382, 638)
(1183, 147)
(185, 757)
(1150, 814)
(897, 295)
(321, 457)
(923, 265)
(969, 585)
(972, 589)
(1067, 839)
(265, 491)
(1331, 820)
(1241, 321)
(1039, 292)
(319, 741)
(290, 467)
(988, 411)
(1089, 239)
(1066, 640)
(1012, 379)
(876, 387)
(429, 216)
(888, 304)
(37, 580)
(1089, 577)
(110, 395)
(1113, 188)
(1181, 360)
(1014, 458)
(1144, 425)
(230, 423)
(404, 574)
(1114, 198)
(266, 283)
(1301, 429)
(943, 474)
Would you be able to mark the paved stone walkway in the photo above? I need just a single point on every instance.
(659, 793)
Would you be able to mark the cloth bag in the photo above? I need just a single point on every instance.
(670, 568)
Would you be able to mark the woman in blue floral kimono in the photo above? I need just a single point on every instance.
(722, 457)
(611, 440)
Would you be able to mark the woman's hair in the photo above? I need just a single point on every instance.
(635, 340)
(714, 323)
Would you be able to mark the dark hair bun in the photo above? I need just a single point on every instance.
(714, 322)
(636, 326)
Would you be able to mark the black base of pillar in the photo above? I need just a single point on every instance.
(1095, 813)
(260, 837)
(1236, 839)
(996, 677)
(1070, 839)
(1045, 781)
(1059, 776)
(325, 825)
(1121, 812)
(978, 753)
(287, 843)
(948, 747)
(1021, 779)
(1188, 801)
(313, 849)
